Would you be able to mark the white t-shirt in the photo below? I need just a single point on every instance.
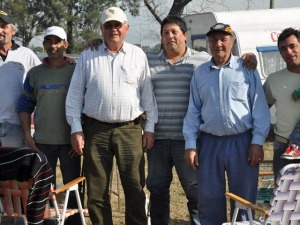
(12, 74)
(279, 87)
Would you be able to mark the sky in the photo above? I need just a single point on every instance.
(138, 33)
(144, 29)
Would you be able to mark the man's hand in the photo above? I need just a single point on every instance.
(71, 60)
(77, 141)
(30, 142)
(73, 154)
(94, 44)
(249, 60)
(256, 154)
(296, 95)
(148, 140)
(191, 158)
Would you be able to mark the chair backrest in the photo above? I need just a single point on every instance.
(285, 203)
(14, 196)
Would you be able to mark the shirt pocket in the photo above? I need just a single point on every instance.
(130, 75)
(239, 91)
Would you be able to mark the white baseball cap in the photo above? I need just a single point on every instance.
(57, 31)
(113, 13)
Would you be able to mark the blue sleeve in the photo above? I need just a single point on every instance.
(191, 122)
(260, 110)
(27, 101)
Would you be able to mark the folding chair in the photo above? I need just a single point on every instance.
(14, 196)
(266, 183)
(264, 193)
(284, 204)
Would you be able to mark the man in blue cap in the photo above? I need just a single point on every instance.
(15, 61)
(229, 114)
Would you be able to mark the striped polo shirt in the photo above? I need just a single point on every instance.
(171, 85)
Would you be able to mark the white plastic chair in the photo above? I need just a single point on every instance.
(284, 204)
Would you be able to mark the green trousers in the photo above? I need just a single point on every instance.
(103, 142)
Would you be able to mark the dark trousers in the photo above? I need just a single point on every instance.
(22, 164)
(70, 170)
(164, 155)
(221, 157)
(103, 142)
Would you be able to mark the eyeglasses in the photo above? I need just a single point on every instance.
(109, 26)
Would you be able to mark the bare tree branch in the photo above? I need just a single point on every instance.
(152, 10)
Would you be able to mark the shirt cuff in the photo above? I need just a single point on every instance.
(258, 140)
(149, 126)
(76, 127)
(190, 143)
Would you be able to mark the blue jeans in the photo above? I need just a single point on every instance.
(11, 135)
(70, 169)
(295, 135)
(165, 155)
(278, 162)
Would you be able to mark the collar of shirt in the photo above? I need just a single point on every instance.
(14, 45)
(231, 63)
(46, 62)
(187, 54)
(104, 48)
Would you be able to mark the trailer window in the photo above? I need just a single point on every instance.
(199, 44)
(271, 60)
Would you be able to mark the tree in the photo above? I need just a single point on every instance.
(27, 18)
(159, 10)
(80, 18)
(176, 9)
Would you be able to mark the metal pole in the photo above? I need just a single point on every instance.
(271, 4)
(141, 34)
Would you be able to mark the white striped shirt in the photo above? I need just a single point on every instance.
(111, 87)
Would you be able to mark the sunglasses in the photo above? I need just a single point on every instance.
(109, 26)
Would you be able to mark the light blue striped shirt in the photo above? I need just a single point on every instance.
(225, 101)
(111, 87)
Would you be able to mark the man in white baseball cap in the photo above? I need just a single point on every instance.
(113, 13)
(45, 91)
(112, 88)
(56, 31)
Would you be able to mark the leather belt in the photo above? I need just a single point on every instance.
(281, 139)
(136, 121)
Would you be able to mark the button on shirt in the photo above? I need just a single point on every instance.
(226, 100)
(111, 87)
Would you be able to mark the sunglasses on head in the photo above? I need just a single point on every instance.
(116, 25)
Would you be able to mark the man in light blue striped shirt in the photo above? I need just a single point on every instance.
(171, 71)
(228, 107)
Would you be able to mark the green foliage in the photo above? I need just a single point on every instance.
(27, 17)
(79, 18)
(132, 5)
(38, 49)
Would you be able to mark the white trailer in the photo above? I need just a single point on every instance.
(256, 31)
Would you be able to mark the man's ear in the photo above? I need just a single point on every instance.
(66, 44)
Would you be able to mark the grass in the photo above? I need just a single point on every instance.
(178, 210)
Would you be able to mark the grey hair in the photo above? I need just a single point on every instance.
(14, 27)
